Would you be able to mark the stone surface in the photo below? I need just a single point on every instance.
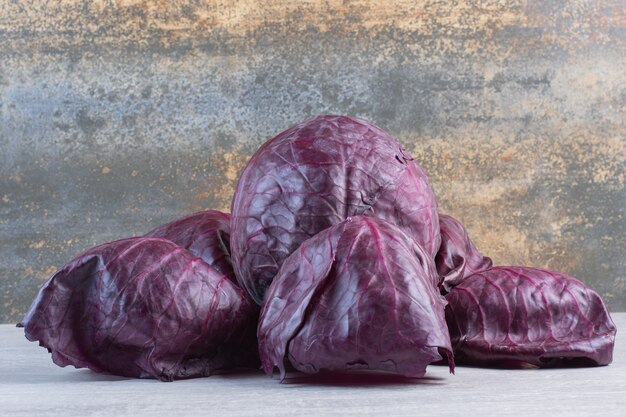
(118, 116)
(32, 385)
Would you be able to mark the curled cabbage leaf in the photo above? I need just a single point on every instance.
(315, 175)
(523, 315)
(359, 295)
(457, 257)
(144, 307)
(205, 234)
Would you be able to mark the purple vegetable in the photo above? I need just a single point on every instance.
(315, 175)
(144, 307)
(359, 295)
(516, 315)
(457, 258)
(206, 234)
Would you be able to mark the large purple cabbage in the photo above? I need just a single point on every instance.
(205, 234)
(315, 175)
(144, 307)
(457, 257)
(518, 315)
(359, 295)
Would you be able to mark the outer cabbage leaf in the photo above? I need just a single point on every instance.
(315, 175)
(457, 257)
(358, 295)
(206, 234)
(516, 315)
(144, 307)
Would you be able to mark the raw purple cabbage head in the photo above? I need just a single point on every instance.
(205, 234)
(144, 307)
(358, 295)
(517, 315)
(457, 257)
(317, 174)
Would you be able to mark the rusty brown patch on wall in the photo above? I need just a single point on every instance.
(500, 27)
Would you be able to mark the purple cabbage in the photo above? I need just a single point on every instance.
(358, 295)
(144, 307)
(335, 227)
(317, 174)
(457, 257)
(205, 234)
(523, 315)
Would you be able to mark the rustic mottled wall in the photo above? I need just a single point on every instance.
(118, 115)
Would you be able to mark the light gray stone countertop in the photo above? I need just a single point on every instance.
(31, 385)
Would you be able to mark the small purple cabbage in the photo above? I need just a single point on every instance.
(522, 315)
(317, 174)
(144, 307)
(205, 234)
(358, 295)
(457, 257)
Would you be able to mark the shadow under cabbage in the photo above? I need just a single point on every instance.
(357, 378)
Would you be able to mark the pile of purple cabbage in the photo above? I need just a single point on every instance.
(334, 258)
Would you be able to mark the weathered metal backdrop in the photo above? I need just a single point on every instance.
(119, 115)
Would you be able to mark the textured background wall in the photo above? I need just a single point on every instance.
(119, 115)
